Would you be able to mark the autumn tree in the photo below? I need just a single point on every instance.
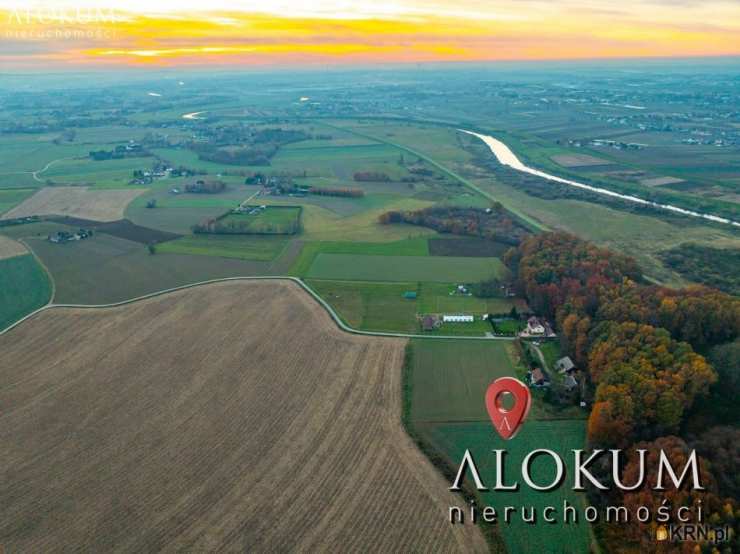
(717, 510)
(698, 315)
(645, 379)
(721, 447)
(560, 271)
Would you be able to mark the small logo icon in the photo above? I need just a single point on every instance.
(661, 533)
(507, 420)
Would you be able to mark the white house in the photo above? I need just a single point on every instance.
(565, 365)
(458, 318)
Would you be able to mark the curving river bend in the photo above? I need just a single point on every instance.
(506, 157)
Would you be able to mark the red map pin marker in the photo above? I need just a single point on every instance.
(507, 422)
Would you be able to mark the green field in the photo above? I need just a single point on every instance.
(106, 269)
(371, 306)
(274, 220)
(450, 377)
(24, 287)
(452, 439)
(261, 248)
(445, 406)
(444, 269)
(406, 247)
(10, 198)
(435, 298)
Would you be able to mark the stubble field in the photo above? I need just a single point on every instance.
(230, 417)
(99, 205)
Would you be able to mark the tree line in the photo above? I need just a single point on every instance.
(641, 347)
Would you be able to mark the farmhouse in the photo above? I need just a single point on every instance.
(535, 327)
(60, 237)
(457, 318)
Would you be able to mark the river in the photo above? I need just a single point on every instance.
(506, 157)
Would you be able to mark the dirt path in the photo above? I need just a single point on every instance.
(232, 417)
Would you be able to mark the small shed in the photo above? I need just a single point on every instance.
(428, 323)
(410, 295)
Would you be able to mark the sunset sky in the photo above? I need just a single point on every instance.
(111, 33)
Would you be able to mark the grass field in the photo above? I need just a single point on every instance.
(371, 306)
(261, 248)
(381, 306)
(435, 298)
(451, 376)
(24, 287)
(560, 436)
(270, 411)
(445, 393)
(103, 174)
(443, 269)
(10, 198)
(407, 247)
(106, 269)
(273, 220)
(321, 224)
(177, 213)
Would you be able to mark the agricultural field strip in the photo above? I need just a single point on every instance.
(35, 173)
(227, 508)
(9, 248)
(48, 276)
(324, 304)
(538, 226)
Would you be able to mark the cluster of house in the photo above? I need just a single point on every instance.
(537, 327)
(564, 366)
(618, 145)
(60, 237)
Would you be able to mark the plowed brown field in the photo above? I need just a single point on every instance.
(229, 417)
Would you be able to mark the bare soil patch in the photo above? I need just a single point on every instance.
(231, 417)
(83, 202)
(10, 248)
(578, 160)
(660, 181)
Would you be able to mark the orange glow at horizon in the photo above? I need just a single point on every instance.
(240, 38)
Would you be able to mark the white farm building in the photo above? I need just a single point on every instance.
(458, 318)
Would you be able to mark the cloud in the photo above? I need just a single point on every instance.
(387, 30)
